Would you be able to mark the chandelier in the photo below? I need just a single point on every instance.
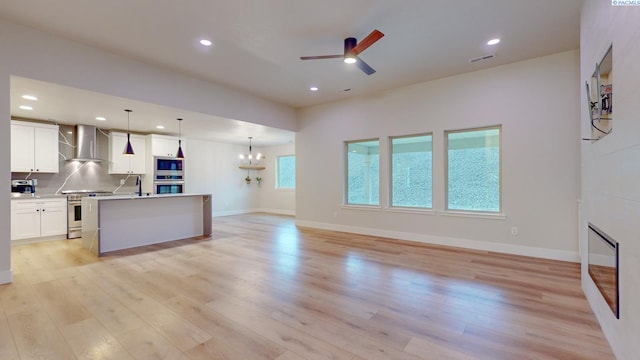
(249, 159)
(251, 162)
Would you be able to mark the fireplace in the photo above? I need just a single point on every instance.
(603, 266)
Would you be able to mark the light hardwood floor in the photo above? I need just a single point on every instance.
(263, 289)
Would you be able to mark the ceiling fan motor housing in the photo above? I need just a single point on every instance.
(349, 44)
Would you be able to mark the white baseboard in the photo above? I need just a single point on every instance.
(38, 239)
(232, 212)
(249, 211)
(552, 254)
(6, 277)
(277, 211)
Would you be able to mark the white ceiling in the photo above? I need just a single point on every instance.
(66, 105)
(257, 43)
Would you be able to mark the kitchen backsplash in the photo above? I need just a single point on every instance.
(80, 175)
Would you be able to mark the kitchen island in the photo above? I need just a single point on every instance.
(112, 223)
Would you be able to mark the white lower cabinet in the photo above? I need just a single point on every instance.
(38, 218)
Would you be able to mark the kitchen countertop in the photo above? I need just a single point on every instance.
(144, 196)
(21, 196)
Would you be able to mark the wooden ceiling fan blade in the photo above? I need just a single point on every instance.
(365, 67)
(321, 57)
(368, 41)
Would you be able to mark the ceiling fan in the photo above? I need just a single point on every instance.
(351, 50)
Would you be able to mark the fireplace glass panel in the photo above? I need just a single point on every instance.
(603, 266)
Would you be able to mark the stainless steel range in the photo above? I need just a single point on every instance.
(74, 208)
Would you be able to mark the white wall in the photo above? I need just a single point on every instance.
(33, 54)
(5, 178)
(611, 166)
(213, 168)
(272, 200)
(536, 101)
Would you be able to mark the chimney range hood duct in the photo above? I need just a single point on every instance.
(86, 144)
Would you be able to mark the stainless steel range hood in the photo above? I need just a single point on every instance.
(86, 144)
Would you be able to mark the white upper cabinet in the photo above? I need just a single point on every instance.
(34, 147)
(162, 145)
(126, 164)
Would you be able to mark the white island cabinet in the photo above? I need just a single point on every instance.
(111, 223)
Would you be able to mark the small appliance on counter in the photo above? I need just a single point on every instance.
(24, 186)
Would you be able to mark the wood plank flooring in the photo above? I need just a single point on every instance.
(261, 288)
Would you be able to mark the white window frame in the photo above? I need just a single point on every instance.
(390, 174)
(278, 173)
(461, 212)
(345, 194)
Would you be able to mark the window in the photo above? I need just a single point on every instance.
(286, 173)
(363, 173)
(411, 174)
(473, 170)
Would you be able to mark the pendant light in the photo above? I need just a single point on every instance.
(128, 149)
(180, 154)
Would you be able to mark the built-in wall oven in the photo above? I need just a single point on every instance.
(168, 175)
(174, 187)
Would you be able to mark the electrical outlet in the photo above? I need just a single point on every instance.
(514, 230)
(122, 181)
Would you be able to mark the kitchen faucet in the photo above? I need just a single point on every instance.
(139, 183)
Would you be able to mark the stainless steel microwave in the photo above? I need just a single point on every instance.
(168, 169)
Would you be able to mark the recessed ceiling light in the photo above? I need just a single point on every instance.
(25, 107)
(29, 97)
(69, 132)
(205, 42)
(160, 127)
(313, 88)
(101, 118)
(493, 41)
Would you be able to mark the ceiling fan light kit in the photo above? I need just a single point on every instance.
(350, 59)
(352, 48)
(349, 55)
